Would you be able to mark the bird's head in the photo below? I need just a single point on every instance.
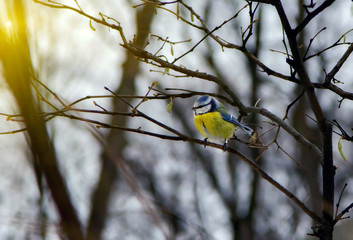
(205, 104)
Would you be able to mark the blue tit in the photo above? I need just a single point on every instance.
(214, 122)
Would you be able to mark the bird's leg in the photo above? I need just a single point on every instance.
(205, 142)
(225, 145)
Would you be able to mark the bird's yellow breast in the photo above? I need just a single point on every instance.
(211, 125)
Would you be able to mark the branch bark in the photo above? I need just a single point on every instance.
(324, 126)
(312, 15)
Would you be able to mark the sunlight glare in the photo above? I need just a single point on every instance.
(8, 26)
(8, 23)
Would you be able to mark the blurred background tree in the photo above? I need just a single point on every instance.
(286, 72)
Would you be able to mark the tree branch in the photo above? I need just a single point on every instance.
(338, 66)
(102, 21)
(165, 64)
(182, 137)
(274, 183)
(340, 216)
(297, 136)
(311, 15)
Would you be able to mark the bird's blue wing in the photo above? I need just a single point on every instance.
(230, 118)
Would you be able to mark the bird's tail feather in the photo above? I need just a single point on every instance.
(245, 129)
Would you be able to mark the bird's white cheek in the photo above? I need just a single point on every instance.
(202, 110)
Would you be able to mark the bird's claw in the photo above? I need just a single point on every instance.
(225, 147)
(205, 142)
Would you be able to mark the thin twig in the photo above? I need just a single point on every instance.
(339, 64)
(311, 41)
(291, 104)
(297, 136)
(339, 199)
(335, 44)
(340, 216)
(311, 15)
(210, 33)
